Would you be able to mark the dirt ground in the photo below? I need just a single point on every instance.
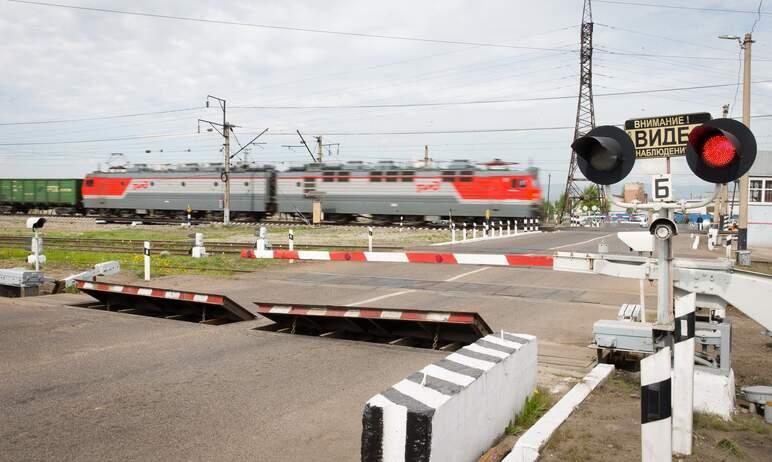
(606, 427)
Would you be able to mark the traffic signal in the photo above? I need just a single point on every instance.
(721, 150)
(605, 155)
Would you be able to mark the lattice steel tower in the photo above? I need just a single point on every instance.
(585, 109)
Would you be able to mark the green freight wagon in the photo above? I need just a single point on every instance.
(25, 194)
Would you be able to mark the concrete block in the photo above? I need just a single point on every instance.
(455, 409)
(527, 447)
(714, 392)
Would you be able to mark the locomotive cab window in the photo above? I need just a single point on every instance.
(89, 183)
(448, 176)
(519, 183)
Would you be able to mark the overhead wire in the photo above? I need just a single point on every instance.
(280, 27)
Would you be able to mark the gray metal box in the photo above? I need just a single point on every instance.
(623, 335)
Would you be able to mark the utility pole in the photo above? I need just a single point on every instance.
(742, 232)
(426, 156)
(319, 148)
(225, 177)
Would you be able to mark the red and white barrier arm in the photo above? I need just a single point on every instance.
(406, 257)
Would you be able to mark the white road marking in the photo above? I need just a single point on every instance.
(375, 299)
(454, 278)
(580, 243)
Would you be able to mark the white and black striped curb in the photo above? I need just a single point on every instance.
(683, 373)
(656, 411)
(453, 409)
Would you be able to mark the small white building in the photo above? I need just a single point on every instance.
(760, 201)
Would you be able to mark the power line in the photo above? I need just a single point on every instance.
(492, 101)
(89, 119)
(286, 28)
(677, 7)
(101, 140)
(654, 55)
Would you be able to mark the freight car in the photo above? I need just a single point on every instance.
(387, 191)
(22, 195)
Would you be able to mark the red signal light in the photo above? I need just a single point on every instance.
(718, 151)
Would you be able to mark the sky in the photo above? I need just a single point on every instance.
(141, 81)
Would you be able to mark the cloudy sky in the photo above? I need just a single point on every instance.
(143, 79)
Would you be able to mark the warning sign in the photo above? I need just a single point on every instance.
(665, 136)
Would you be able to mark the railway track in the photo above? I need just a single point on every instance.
(173, 247)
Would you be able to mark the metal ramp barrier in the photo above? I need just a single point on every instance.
(444, 330)
(171, 304)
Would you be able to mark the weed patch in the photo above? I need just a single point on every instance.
(535, 406)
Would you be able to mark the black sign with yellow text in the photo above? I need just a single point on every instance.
(665, 136)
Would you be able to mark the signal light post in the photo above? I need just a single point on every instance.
(718, 151)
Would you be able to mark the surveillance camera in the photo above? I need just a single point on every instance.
(35, 223)
(663, 228)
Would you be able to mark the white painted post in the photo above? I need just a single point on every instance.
(463, 234)
(509, 230)
(696, 242)
(683, 374)
(370, 238)
(515, 226)
(260, 247)
(401, 222)
(291, 239)
(474, 230)
(485, 229)
(656, 413)
(36, 249)
(501, 228)
(711, 241)
(452, 232)
(537, 226)
(146, 250)
(729, 246)
(641, 287)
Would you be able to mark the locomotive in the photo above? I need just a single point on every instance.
(381, 192)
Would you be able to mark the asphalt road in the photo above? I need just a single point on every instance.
(80, 384)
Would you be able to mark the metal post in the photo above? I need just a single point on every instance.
(261, 240)
(683, 373)
(36, 248)
(641, 287)
(370, 238)
(227, 167)
(146, 250)
(291, 237)
(656, 412)
(664, 281)
(743, 257)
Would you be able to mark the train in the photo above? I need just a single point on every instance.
(383, 191)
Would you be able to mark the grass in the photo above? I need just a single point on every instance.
(160, 265)
(739, 424)
(535, 406)
(730, 447)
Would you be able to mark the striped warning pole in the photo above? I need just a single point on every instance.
(656, 413)
(537, 225)
(683, 373)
